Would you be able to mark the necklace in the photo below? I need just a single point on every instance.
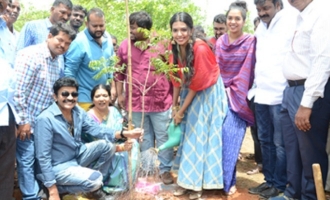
(70, 128)
(101, 116)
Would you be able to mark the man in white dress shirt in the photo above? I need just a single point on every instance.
(274, 35)
(306, 101)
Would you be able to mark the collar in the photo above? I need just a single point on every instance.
(305, 14)
(48, 23)
(276, 18)
(46, 51)
(104, 36)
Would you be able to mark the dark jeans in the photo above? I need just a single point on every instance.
(254, 133)
(305, 148)
(7, 158)
(272, 145)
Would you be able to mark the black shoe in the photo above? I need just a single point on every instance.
(260, 188)
(98, 194)
(270, 192)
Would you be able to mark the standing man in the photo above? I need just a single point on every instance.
(66, 164)
(306, 108)
(274, 36)
(91, 44)
(12, 15)
(7, 120)
(77, 17)
(158, 98)
(37, 68)
(219, 27)
(36, 32)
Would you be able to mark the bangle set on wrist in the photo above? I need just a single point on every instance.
(176, 108)
(181, 117)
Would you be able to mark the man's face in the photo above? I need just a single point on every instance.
(96, 26)
(77, 18)
(268, 10)
(66, 98)
(3, 6)
(115, 45)
(14, 13)
(58, 44)
(219, 29)
(299, 4)
(136, 35)
(60, 13)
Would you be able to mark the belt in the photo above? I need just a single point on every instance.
(296, 82)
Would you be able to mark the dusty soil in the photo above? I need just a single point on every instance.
(244, 181)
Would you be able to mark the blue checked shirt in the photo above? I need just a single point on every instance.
(36, 73)
(36, 32)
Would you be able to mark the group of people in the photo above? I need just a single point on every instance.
(283, 70)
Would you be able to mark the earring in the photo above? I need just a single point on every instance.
(190, 41)
(173, 41)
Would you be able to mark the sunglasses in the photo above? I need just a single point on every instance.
(66, 94)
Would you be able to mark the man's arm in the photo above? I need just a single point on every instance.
(25, 71)
(73, 59)
(43, 142)
(319, 53)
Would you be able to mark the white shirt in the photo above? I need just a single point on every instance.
(309, 56)
(273, 43)
(7, 88)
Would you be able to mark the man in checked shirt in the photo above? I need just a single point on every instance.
(37, 68)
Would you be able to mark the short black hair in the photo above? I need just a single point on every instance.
(256, 2)
(141, 18)
(64, 82)
(97, 11)
(62, 27)
(67, 3)
(220, 18)
(79, 8)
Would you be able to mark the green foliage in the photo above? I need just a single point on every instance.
(28, 15)
(159, 10)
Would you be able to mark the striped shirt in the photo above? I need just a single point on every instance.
(309, 55)
(36, 73)
(237, 61)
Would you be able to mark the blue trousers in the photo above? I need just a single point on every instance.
(305, 148)
(155, 129)
(270, 135)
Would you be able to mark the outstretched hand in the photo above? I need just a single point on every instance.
(136, 133)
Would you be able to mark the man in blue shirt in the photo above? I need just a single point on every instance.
(7, 121)
(37, 68)
(36, 32)
(65, 163)
(91, 44)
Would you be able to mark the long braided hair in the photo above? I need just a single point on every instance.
(189, 59)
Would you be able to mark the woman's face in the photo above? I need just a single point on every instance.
(101, 99)
(181, 33)
(235, 21)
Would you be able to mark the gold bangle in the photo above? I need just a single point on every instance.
(181, 117)
(176, 108)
